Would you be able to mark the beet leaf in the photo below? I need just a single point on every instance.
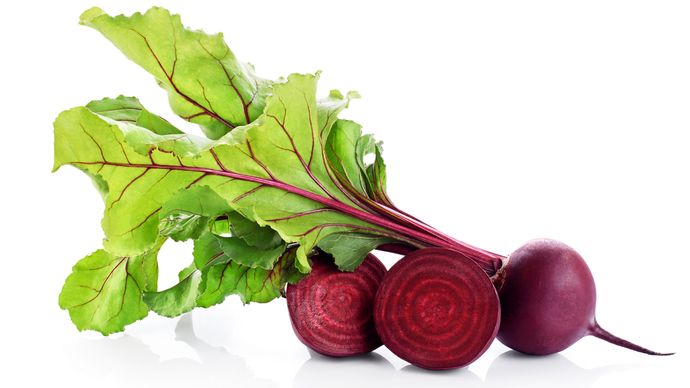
(188, 213)
(206, 84)
(223, 276)
(104, 291)
(129, 109)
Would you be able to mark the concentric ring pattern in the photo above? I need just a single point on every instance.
(331, 311)
(437, 309)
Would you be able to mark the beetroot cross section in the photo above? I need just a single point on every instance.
(331, 310)
(437, 309)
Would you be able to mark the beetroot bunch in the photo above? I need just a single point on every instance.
(279, 190)
(437, 309)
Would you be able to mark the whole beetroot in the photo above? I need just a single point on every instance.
(548, 300)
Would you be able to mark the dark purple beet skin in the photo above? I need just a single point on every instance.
(437, 309)
(331, 310)
(548, 300)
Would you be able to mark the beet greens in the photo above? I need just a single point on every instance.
(289, 171)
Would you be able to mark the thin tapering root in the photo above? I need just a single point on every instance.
(600, 333)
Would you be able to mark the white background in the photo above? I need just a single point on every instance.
(502, 121)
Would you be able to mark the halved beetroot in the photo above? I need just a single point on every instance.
(331, 310)
(437, 309)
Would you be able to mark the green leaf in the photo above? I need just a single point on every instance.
(376, 176)
(150, 266)
(278, 177)
(346, 149)
(207, 251)
(218, 276)
(374, 173)
(129, 109)
(221, 226)
(131, 116)
(176, 300)
(182, 225)
(262, 237)
(188, 212)
(245, 254)
(343, 154)
(104, 291)
(329, 107)
(186, 272)
(350, 249)
(205, 83)
(223, 276)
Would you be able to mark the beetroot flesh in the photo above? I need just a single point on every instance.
(331, 310)
(437, 309)
(548, 300)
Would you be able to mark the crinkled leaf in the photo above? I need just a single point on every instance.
(182, 225)
(341, 150)
(222, 276)
(104, 291)
(218, 276)
(205, 83)
(376, 176)
(262, 237)
(176, 300)
(375, 173)
(186, 272)
(221, 226)
(178, 145)
(349, 249)
(346, 149)
(329, 107)
(188, 213)
(180, 298)
(365, 146)
(150, 266)
(248, 255)
(121, 110)
(207, 251)
(277, 177)
(129, 109)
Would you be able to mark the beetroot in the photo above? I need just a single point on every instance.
(331, 310)
(437, 309)
(548, 300)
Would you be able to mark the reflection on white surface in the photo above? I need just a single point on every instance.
(555, 370)
(368, 369)
(130, 362)
(185, 360)
(412, 376)
(374, 370)
(509, 369)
